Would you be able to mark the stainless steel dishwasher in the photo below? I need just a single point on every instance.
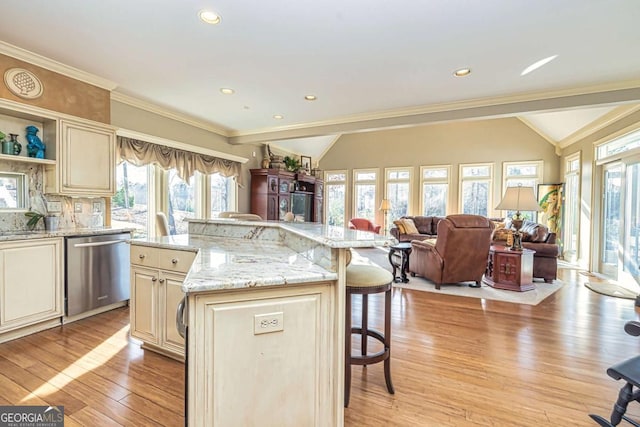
(97, 271)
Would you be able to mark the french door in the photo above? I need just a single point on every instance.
(619, 252)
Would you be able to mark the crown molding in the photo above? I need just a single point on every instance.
(55, 66)
(168, 113)
(601, 122)
(453, 106)
(179, 145)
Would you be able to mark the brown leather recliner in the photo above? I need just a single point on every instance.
(459, 254)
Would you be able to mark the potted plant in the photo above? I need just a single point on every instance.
(50, 221)
(292, 164)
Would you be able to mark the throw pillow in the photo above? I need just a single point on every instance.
(501, 234)
(398, 223)
(410, 226)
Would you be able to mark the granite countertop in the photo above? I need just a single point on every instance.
(224, 263)
(6, 236)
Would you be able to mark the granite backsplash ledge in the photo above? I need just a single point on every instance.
(74, 213)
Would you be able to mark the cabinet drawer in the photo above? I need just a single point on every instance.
(144, 255)
(173, 260)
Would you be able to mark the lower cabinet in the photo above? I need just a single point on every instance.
(264, 357)
(156, 280)
(31, 283)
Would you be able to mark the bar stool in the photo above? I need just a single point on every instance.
(366, 280)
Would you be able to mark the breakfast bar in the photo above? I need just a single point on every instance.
(264, 319)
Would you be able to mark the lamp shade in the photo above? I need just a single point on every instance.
(519, 199)
(385, 205)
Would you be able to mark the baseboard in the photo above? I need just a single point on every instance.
(70, 319)
(28, 330)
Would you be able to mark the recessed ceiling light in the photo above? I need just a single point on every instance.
(227, 91)
(310, 97)
(209, 17)
(462, 72)
(537, 65)
(278, 116)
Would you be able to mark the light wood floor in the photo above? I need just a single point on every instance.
(455, 362)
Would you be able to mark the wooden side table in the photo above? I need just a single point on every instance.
(402, 263)
(510, 270)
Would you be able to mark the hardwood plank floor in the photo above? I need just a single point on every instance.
(455, 362)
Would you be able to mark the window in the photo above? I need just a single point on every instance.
(13, 191)
(475, 188)
(222, 194)
(398, 190)
(335, 187)
(434, 190)
(622, 144)
(130, 207)
(365, 183)
(527, 174)
(183, 201)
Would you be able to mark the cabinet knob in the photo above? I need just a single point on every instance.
(174, 261)
(161, 280)
(154, 278)
(141, 256)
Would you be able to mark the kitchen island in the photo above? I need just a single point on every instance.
(265, 320)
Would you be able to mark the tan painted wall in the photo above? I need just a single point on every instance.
(62, 94)
(455, 143)
(589, 179)
(131, 118)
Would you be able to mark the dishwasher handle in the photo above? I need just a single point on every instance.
(180, 325)
(105, 243)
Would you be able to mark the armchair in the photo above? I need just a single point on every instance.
(458, 254)
(364, 224)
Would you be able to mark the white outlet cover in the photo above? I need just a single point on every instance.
(267, 323)
(77, 207)
(54, 206)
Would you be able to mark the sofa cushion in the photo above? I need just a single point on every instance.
(531, 231)
(400, 225)
(422, 223)
(409, 226)
(434, 224)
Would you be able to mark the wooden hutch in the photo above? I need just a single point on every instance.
(275, 192)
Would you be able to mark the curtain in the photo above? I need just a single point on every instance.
(184, 162)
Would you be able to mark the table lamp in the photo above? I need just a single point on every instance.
(517, 199)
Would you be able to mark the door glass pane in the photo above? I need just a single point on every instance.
(336, 196)
(475, 197)
(181, 202)
(222, 194)
(130, 205)
(611, 221)
(365, 201)
(632, 229)
(572, 215)
(398, 196)
(434, 199)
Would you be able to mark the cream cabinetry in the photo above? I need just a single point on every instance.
(271, 347)
(86, 160)
(31, 283)
(156, 279)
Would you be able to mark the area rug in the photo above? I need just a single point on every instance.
(380, 256)
(611, 289)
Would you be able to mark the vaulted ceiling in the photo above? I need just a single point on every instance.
(371, 63)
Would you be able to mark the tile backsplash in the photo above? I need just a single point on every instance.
(75, 212)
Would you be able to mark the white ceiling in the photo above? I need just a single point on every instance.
(371, 63)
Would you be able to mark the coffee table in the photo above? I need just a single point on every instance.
(401, 251)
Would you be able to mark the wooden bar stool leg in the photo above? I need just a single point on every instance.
(347, 350)
(365, 324)
(387, 340)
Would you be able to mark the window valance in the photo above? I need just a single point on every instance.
(184, 162)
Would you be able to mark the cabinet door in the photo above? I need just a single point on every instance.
(317, 209)
(283, 206)
(507, 269)
(172, 295)
(144, 304)
(87, 163)
(30, 282)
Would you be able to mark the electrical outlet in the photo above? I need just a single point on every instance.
(54, 207)
(267, 323)
(97, 207)
(77, 207)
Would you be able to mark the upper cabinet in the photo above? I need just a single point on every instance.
(80, 154)
(86, 160)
